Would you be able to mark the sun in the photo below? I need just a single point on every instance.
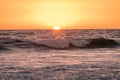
(56, 28)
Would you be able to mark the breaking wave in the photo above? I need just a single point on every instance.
(8, 43)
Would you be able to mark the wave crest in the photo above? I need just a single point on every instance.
(59, 43)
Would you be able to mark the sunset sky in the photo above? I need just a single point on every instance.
(45, 14)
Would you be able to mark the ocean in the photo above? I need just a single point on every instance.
(60, 54)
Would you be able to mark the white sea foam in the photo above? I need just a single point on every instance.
(62, 43)
(55, 43)
(79, 43)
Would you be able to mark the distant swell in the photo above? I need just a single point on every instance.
(7, 43)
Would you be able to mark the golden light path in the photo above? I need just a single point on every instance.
(56, 32)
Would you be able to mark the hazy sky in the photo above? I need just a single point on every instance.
(22, 14)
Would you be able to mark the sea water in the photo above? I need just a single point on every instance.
(59, 55)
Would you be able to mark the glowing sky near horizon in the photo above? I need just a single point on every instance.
(43, 14)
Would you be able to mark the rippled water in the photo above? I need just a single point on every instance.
(52, 64)
(47, 34)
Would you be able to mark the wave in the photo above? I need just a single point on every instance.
(7, 42)
(79, 43)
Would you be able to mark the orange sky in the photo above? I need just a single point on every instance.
(43, 14)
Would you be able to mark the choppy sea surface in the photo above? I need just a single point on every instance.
(60, 55)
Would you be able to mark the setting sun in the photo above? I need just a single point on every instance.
(56, 28)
